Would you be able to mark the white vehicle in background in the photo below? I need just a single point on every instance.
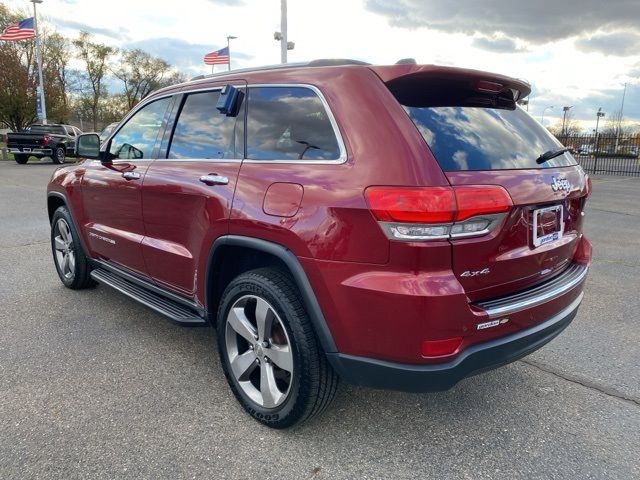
(586, 149)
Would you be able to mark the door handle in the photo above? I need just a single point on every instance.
(131, 175)
(214, 179)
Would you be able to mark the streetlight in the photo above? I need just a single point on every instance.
(42, 110)
(543, 112)
(599, 115)
(564, 119)
(229, 37)
(281, 36)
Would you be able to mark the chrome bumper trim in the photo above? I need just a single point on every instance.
(553, 288)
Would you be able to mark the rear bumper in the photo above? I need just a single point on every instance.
(30, 151)
(475, 359)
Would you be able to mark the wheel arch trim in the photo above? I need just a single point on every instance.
(295, 269)
(67, 205)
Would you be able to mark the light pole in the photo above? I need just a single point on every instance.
(619, 120)
(42, 111)
(281, 36)
(564, 119)
(599, 115)
(229, 37)
(543, 112)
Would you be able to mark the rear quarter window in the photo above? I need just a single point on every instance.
(289, 123)
(481, 138)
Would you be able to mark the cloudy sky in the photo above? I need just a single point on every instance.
(573, 52)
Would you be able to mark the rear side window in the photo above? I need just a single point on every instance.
(483, 138)
(202, 132)
(289, 123)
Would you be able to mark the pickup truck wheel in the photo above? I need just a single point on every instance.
(59, 155)
(70, 260)
(21, 159)
(269, 352)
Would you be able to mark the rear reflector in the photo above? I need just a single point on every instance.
(438, 348)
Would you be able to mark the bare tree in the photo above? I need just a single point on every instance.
(141, 73)
(95, 57)
(571, 127)
(615, 125)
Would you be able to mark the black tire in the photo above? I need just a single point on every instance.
(59, 155)
(20, 159)
(77, 277)
(312, 384)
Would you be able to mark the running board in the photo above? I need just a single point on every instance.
(169, 308)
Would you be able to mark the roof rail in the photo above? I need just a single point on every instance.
(323, 62)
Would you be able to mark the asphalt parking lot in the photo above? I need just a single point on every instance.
(93, 385)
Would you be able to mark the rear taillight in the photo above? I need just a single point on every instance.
(589, 186)
(438, 213)
(45, 140)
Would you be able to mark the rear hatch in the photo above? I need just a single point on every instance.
(480, 137)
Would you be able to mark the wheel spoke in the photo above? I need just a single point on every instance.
(281, 356)
(243, 365)
(264, 318)
(65, 264)
(59, 243)
(240, 324)
(64, 230)
(271, 395)
(71, 261)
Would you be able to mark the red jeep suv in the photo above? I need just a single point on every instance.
(400, 227)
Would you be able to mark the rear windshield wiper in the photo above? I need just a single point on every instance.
(552, 154)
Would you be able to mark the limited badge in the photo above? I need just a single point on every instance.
(491, 324)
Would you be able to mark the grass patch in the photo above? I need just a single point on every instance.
(9, 155)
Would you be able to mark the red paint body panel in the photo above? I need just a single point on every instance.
(183, 216)
(113, 213)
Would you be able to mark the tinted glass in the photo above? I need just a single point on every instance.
(475, 138)
(289, 123)
(202, 131)
(55, 130)
(137, 138)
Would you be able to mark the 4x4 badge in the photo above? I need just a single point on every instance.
(560, 184)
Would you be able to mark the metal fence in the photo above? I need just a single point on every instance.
(606, 154)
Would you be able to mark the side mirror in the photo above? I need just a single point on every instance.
(88, 146)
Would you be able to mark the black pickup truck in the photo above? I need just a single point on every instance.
(55, 141)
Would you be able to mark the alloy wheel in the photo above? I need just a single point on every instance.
(64, 249)
(259, 351)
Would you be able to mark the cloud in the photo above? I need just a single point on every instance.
(182, 54)
(497, 44)
(119, 34)
(620, 43)
(537, 22)
(230, 3)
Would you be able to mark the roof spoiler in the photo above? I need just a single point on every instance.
(449, 84)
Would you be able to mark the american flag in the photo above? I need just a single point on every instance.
(22, 30)
(218, 57)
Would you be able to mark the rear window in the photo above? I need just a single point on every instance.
(55, 130)
(481, 138)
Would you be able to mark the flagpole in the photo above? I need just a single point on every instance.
(39, 59)
(229, 37)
